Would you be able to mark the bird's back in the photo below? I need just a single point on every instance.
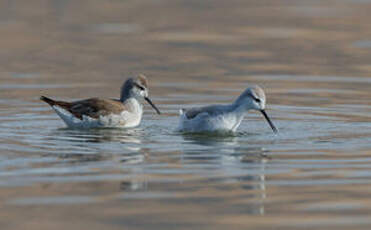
(211, 110)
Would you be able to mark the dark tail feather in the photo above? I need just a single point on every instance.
(48, 100)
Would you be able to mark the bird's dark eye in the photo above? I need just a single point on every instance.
(257, 100)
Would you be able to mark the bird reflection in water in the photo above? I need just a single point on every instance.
(94, 144)
(100, 135)
(237, 162)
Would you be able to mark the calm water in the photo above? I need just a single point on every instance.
(311, 57)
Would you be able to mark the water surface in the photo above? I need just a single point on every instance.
(311, 57)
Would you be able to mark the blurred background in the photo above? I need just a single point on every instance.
(312, 57)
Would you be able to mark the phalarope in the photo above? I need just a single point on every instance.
(224, 117)
(97, 112)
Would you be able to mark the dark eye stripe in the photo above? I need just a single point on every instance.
(140, 87)
(255, 98)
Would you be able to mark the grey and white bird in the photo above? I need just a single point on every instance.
(227, 117)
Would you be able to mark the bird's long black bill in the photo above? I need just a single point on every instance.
(153, 105)
(269, 121)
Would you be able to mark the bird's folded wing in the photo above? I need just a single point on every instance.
(211, 110)
(94, 107)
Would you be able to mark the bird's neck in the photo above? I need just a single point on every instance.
(133, 105)
(235, 113)
(124, 96)
(239, 108)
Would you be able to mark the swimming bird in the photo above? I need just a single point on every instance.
(227, 117)
(96, 112)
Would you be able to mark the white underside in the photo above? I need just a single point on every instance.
(204, 122)
(123, 120)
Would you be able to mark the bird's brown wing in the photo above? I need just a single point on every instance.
(93, 107)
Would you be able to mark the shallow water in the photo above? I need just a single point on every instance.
(311, 57)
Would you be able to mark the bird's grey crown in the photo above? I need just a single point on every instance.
(257, 92)
(254, 92)
(128, 85)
